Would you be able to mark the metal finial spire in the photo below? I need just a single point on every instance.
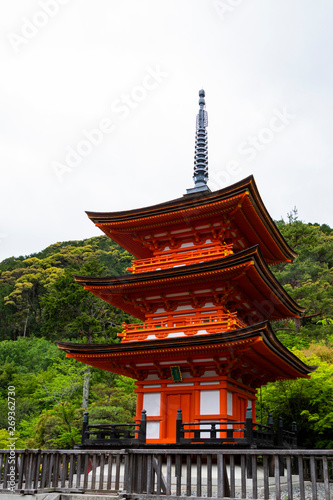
(201, 151)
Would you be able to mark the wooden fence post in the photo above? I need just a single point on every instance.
(294, 430)
(128, 470)
(142, 434)
(85, 424)
(280, 433)
(248, 431)
(213, 431)
(280, 444)
(179, 425)
(249, 426)
(294, 458)
(270, 423)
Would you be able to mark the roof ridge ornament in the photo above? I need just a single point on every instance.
(200, 175)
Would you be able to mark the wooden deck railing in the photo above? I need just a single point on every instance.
(245, 433)
(179, 257)
(160, 473)
(61, 470)
(113, 435)
(212, 323)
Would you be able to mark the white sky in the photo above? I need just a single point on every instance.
(69, 67)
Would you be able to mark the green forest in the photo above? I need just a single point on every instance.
(40, 303)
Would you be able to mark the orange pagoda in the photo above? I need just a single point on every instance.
(201, 285)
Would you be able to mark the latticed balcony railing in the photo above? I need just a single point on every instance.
(180, 258)
(161, 328)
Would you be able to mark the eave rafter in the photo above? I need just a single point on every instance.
(222, 297)
(140, 303)
(222, 231)
(238, 240)
(232, 298)
(169, 305)
(153, 243)
(173, 243)
(224, 367)
(197, 236)
(139, 374)
(140, 239)
(196, 370)
(196, 300)
(162, 371)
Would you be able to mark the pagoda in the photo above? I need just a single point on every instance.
(201, 285)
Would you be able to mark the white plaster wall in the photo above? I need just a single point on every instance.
(209, 402)
(153, 430)
(152, 404)
(229, 403)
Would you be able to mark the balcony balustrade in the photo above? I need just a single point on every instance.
(181, 257)
(161, 328)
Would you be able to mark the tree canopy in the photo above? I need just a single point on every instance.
(39, 297)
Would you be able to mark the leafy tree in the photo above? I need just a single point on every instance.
(111, 404)
(30, 355)
(308, 280)
(59, 427)
(70, 312)
(6, 438)
(308, 402)
(28, 285)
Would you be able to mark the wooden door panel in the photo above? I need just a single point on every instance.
(173, 403)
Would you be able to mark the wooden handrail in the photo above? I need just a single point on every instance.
(164, 261)
(221, 432)
(230, 321)
(115, 434)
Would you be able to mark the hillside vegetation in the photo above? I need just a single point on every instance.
(40, 303)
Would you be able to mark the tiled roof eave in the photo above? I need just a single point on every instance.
(111, 222)
(236, 262)
(241, 338)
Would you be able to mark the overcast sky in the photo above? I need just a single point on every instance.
(99, 98)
